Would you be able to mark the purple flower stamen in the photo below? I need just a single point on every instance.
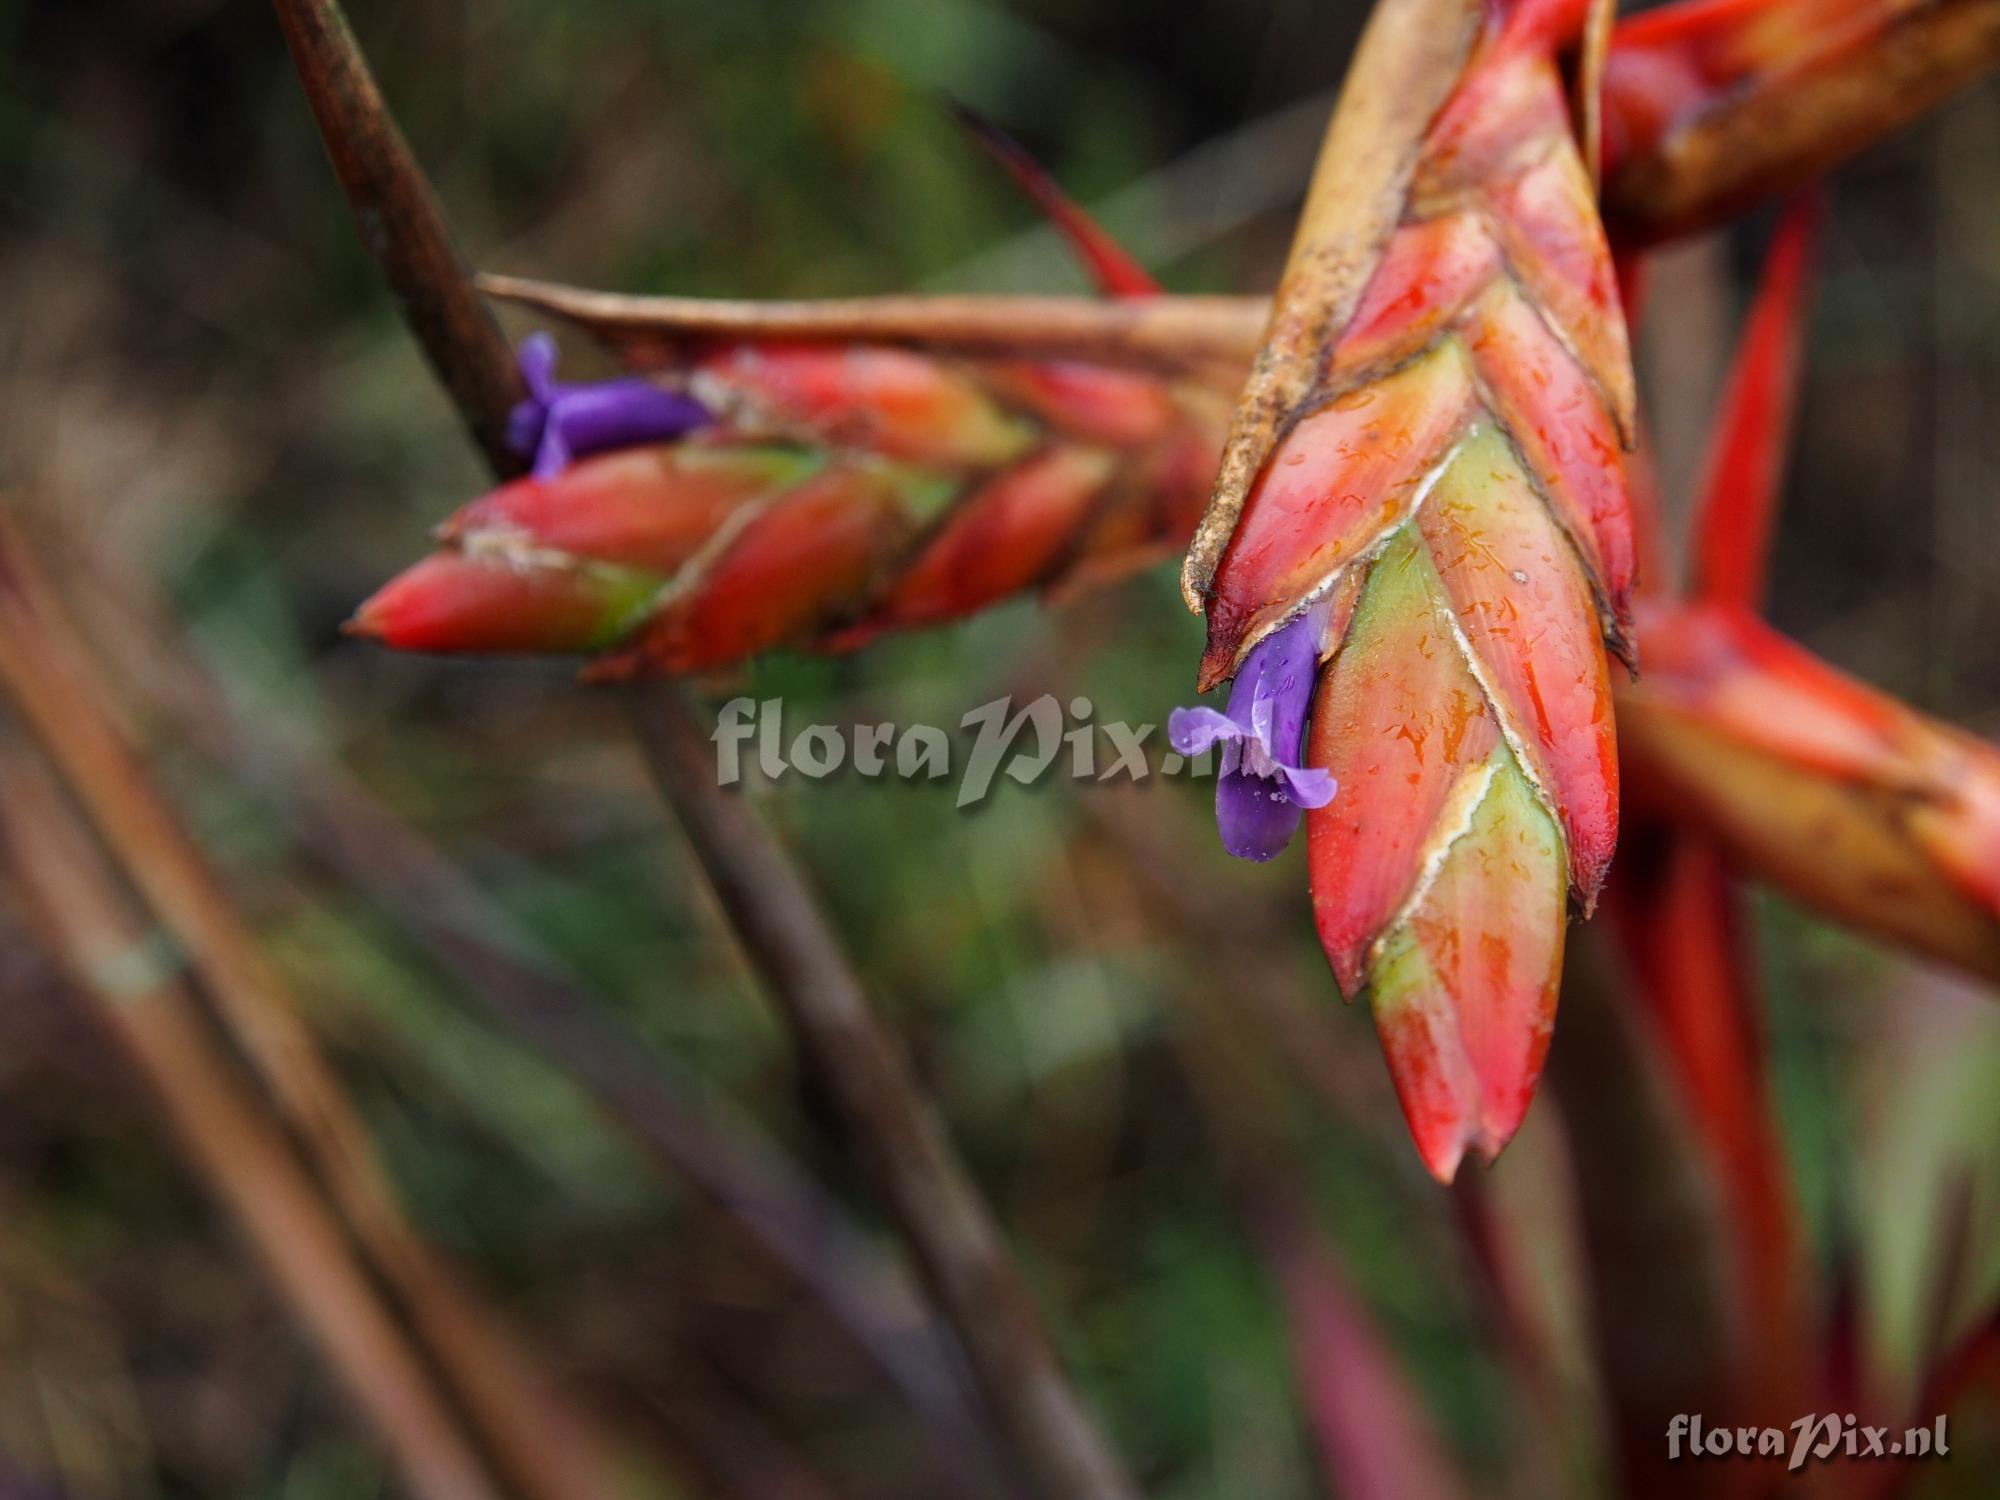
(562, 421)
(1263, 790)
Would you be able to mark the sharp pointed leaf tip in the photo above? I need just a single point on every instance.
(1741, 488)
(1116, 271)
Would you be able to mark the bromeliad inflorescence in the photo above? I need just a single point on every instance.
(840, 491)
(1429, 458)
(1421, 543)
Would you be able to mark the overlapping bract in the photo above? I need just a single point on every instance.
(850, 489)
(1711, 106)
(1456, 480)
(1866, 809)
(1468, 436)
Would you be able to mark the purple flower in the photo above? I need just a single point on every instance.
(1263, 789)
(562, 420)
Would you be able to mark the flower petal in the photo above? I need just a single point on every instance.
(1255, 815)
(1193, 731)
(1309, 786)
(1263, 790)
(561, 422)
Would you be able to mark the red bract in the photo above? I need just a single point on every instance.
(1858, 804)
(1865, 808)
(886, 489)
(1435, 451)
(1453, 451)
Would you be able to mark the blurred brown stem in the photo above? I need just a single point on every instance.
(948, 1227)
(545, 1450)
(956, 1244)
(416, 888)
(403, 227)
(116, 960)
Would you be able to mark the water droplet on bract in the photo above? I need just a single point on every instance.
(1518, 576)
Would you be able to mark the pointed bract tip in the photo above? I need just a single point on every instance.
(366, 621)
(1464, 986)
(1442, 1158)
(1115, 269)
(459, 602)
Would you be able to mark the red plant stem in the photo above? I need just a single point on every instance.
(1743, 484)
(1674, 907)
(951, 1233)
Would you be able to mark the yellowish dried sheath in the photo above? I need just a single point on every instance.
(1861, 807)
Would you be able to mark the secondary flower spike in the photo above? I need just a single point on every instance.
(842, 490)
(1263, 791)
(1429, 458)
(565, 420)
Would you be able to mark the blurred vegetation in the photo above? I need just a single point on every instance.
(210, 401)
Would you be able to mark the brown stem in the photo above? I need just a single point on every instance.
(416, 888)
(956, 1245)
(543, 1449)
(117, 963)
(744, 1177)
(948, 1228)
(1202, 335)
(403, 227)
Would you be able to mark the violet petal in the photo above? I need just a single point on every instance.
(1193, 730)
(1255, 816)
(1263, 790)
(560, 422)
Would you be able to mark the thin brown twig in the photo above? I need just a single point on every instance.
(116, 961)
(737, 1170)
(957, 1247)
(403, 227)
(536, 1444)
(947, 1226)
(1211, 336)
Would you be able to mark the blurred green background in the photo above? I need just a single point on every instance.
(211, 407)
